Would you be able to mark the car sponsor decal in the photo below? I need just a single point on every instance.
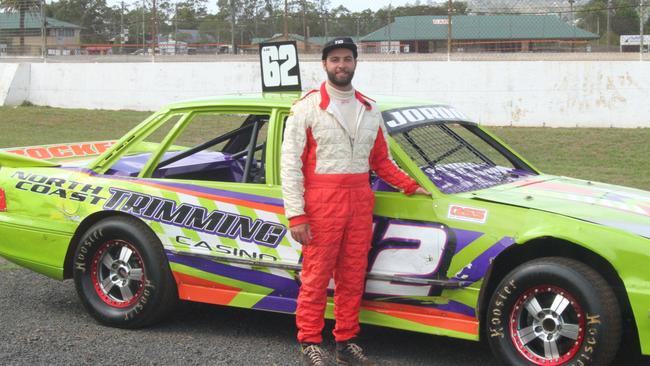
(471, 214)
(256, 202)
(59, 187)
(197, 218)
(59, 151)
(399, 119)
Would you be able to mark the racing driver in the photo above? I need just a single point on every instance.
(333, 137)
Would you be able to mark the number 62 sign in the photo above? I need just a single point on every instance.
(280, 69)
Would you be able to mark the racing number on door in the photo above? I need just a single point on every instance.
(408, 249)
(279, 63)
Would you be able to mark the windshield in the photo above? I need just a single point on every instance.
(460, 157)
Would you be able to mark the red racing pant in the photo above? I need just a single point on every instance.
(339, 210)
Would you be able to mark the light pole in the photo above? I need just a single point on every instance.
(641, 20)
(144, 26)
(286, 21)
(154, 30)
(609, 3)
(232, 27)
(573, 25)
(122, 29)
(449, 10)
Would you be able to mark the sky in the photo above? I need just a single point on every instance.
(359, 5)
(353, 5)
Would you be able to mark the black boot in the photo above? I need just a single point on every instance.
(312, 354)
(349, 353)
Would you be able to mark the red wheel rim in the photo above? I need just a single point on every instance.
(547, 325)
(118, 273)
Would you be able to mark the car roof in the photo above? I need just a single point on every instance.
(286, 99)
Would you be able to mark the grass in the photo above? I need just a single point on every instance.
(612, 155)
(24, 126)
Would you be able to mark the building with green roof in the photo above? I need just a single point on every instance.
(512, 33)
(62, 37)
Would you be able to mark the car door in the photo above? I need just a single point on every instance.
(205, 191)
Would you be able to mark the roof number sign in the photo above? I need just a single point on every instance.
(280, 69)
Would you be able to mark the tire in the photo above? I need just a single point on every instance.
(122, 275)
(577, 319)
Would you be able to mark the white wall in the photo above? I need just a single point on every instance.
(519, 93)
(14, 83)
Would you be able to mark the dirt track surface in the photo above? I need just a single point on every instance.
(43, 322)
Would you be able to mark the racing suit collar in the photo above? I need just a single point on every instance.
(325, 98)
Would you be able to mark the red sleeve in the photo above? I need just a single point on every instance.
(298, 220)
(386, 169)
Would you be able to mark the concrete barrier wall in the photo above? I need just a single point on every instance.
(14, 83)
(519, 93)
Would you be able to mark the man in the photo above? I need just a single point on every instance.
(333, 137)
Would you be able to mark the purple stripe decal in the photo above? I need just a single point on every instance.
(281, 286)
(225, 193)
(479, 266)
(275, 303)
(458, 308)
(616, 197)
(464, 238)
(220, 192)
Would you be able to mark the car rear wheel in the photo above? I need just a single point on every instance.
(553, 311)
(122, 275)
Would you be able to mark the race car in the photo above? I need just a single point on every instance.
(187, 205)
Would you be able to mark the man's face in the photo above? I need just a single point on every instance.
(340, 65)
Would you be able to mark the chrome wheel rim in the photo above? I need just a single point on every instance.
(118, 274)
(547, 325)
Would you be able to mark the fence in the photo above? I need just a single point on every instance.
(188, 30)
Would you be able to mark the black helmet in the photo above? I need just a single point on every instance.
(341, 42)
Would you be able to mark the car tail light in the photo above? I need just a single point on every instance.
(3, 200)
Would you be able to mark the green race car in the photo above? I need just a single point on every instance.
(187, 205)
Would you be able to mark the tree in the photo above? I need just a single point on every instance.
(98, 22)
(22, 6)
(624, 18)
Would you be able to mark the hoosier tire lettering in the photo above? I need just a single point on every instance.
(496, 325)
(82, 251)
(553, 311)
(121, 274)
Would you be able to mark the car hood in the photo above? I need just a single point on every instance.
(605, 204)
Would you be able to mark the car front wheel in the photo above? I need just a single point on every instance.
(121, 274)
(553, 311)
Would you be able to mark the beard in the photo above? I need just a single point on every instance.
(340, 81)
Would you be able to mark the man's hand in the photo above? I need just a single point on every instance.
(421, 190)
(301, 233)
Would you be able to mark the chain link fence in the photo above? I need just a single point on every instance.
(456, 30)
(22, 28)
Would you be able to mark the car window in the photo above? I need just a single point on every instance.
(151, 142)
(456, 158)
(136, 154)
(217, 147)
